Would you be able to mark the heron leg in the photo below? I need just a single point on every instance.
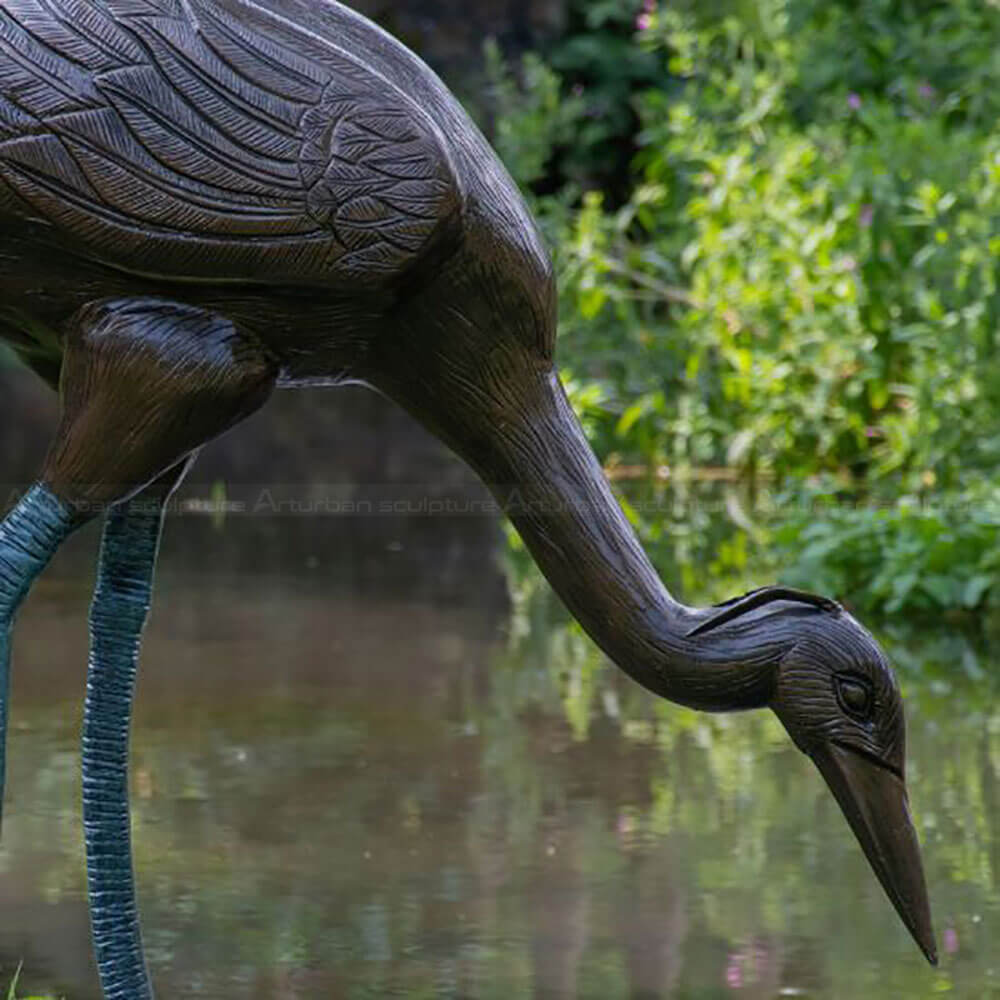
(145, 383)
(118, 615)
(29, 537)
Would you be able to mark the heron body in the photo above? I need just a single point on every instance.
(203, 200)
(285, 163)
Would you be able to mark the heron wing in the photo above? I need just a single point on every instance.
(214, 139)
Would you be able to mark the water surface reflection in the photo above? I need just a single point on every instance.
(359, 772)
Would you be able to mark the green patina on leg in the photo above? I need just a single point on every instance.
(29, 537)
(121, 605)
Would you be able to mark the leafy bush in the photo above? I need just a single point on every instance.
(910, 557)
(802, 278)
(588, 80)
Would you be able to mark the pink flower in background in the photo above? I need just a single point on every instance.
(950, 940)
(854, 102)
(926, 91)
(734, 973)
(865, 215)
(644, 21)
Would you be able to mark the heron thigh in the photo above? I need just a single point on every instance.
(146, 382)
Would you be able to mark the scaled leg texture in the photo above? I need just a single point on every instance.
(118, 616)
(29, 537)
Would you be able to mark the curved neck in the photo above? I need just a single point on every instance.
(532, 453)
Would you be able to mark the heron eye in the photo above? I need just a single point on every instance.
(855, 697)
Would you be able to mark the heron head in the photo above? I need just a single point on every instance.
(836, 695)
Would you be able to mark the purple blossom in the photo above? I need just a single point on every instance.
(950, 940)
(926, 91)
(854, 102)
(644, 21)
(734, 973)
(865, 216)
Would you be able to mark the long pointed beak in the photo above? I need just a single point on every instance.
(874, 800)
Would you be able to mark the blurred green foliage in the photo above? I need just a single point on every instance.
(801, 280)
(12, 991)
(912, 556)
(803, 276)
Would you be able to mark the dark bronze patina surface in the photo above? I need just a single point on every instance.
(201, 201)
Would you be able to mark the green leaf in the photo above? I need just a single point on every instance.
(976, 588)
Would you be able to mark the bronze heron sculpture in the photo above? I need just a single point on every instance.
(203, 200)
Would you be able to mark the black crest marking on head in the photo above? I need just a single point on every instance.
(740, 606)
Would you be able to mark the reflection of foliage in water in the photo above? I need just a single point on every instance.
(440, 811)
(727, 779)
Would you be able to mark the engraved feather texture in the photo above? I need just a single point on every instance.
(214, 139)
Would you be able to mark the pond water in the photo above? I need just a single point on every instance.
(362, 769)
